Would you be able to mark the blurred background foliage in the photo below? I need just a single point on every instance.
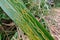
(57, 3)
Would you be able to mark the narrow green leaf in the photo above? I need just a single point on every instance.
(15, 36)
(0, 36)
(23, 18)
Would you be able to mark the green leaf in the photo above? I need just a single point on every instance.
(0, 36)
(24, 19)
(15, 36)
